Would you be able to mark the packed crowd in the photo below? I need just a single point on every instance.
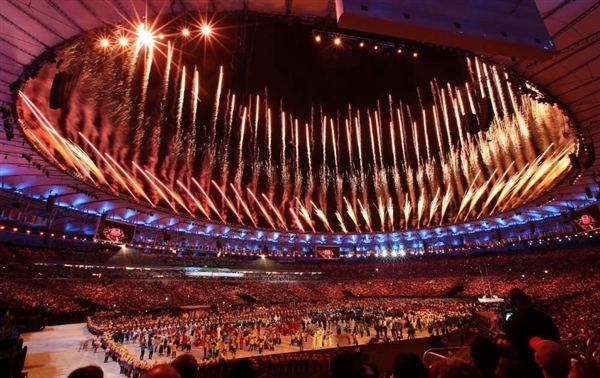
(217, 336)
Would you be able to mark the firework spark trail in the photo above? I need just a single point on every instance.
(86, 163)
(546, 175)
(194, 106)
(470, 68)
(364, 211)
(490, 89)
(379, 132)
(156, 187)
(269, 142)
(341, 222)
(352, 214)
(215, 115)
(276, 211)
(433, 206)
(285, 176)
(500, 92)
(196, 201)
(479, 192)
(446, 202)
(172, 193)
(349, 140)
(393, 143)
(227, 147)
(304, 213)
(264, 211)
(496, 188)
(392, 132)
(335, 150)
(381, 212)
(359, 141)
(209, 201)
(446, 120)
(296, 219)
(140, 129)
(479, 78)
(244, 204)
(416, 140)
(508, 187)
(426, 134)
(420, 208)
(298, 173)
(536, 172)
(461, 105)
(110, 167)
(459, 125)
(511, 94)
(339, 186)
(470, 98)
(390, 214)
(255, 136)
(55, 139)
(240, 167)
(402, 137)
(319, 213)
(158, 126)
(438, 132)
(133, 182)
(177, 138)
(309, 157)
(467, 197)
(227, 201)
(324, 139)
(407, 209)
(373, 149)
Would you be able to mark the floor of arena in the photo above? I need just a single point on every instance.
(53, 352)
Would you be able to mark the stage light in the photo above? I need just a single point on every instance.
(337, 41)
(161, 36)
(123, 41)
(104, 42)
(185, 32)
(376, 47)
(399, 51)
(362, 44)
(205, 30)
(317, 38)
(415, 54)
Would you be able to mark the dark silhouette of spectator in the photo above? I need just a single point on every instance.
(348, 365)
(455, 369)
(485, 356)
(409, 365)
(528, 322)
(509, 368)
(90, 371)
(243, 369)
(186, 365)
(162, 371)
(552, 358)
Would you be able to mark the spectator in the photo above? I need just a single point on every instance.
(553, 359)
(485, 356)
(455, 369)
(162, 371)
(186, 365)
(509, 368)
(348, 365)
(409, 365)
(87, 372)
(526, 323)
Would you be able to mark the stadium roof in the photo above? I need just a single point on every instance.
(29, 28)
